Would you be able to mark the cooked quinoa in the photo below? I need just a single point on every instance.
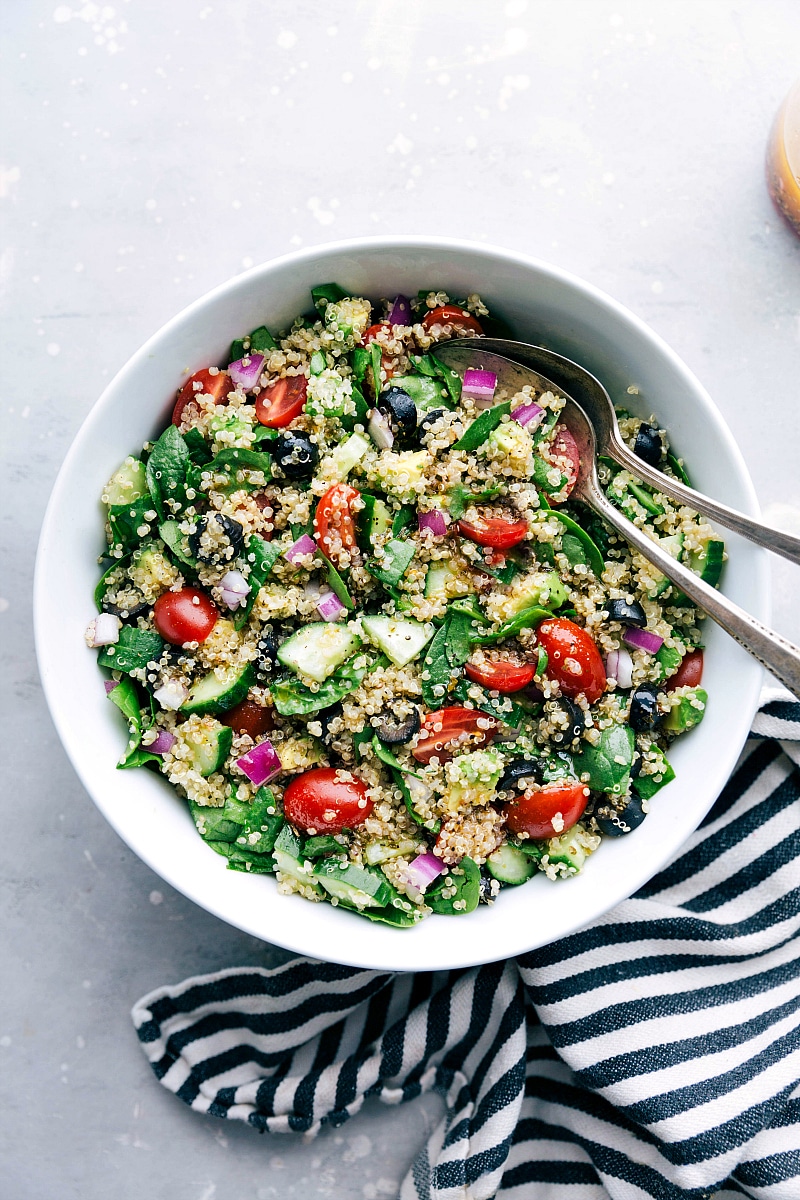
(352, 615)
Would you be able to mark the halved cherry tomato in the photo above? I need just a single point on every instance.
(497, 532)
(327, 799)
(451, 314)
(565, 447)
(689, 673)
(533, 812)
(450, 730)
(219, 386)
(334, 523)
(282, 401)
(248, 717)
(501, 676)
(185, 616)
(573, 659)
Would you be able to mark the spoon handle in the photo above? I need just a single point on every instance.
(772, 539)
(774, 652)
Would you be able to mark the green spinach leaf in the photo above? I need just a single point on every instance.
(135, 649)
(233, 460)
(293, 698)
(261, 556)
(125, 521)
(176, 543)
(461, 497)
(609, 762)
(339, 586)
(437, 670)
(166, 471)
(478, 431)
(523, 620)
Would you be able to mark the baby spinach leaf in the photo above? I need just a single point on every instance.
(523, 620)
(361, 360)
(166, 470)
(395, 562)
(125, 521)
(199, 449)
(126, 698)
(340, 587)
(176, 543)
(261, 339)
(609, 762)
(402, 518)
(437, 669)
(103, 582)
(461, 497)
(375, 357)
(232, 459)
(546, 426)
(293, 698)
(359, 417)
(647, 785)
(678, 469)
(459, 640)
(261, 556)
(541, 476)
(430, 823)
(325, 294)
(593, 556)
(135, 649)
(478, 431)
(501, 707)
(466, 878)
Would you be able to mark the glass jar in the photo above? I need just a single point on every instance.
(783, 159)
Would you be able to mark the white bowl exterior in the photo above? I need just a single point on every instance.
(543, 304)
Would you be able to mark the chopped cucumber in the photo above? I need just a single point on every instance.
(440, 577)
(318, 649)
(209, 747)
(375, 521)
(128, 483)
(510, 865)
(348, 453)
(400, 639)
(708, 561)
(687, 713)
(219, 690)
(358, 886)
(288, 858)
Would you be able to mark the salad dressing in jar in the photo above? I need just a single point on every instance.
(783, 159)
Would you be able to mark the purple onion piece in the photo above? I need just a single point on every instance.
(528, 415)
(304, 546)
(261, 763)
(110, 684)
(246, 371)
(479, 386)
(422, 870)
(164, 742)
(434, 521)
(330, 607)
(619, 666)
(643, 639)
(401, 312)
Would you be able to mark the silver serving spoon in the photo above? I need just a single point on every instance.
(587, 391)
(774, 652)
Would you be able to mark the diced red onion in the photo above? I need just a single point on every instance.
(330, 607)
(401, 312)
(171, 695)
(643, 639)
(103, 630)
(434, 521)
(234, 588)
(261, 763)
(164, 742)
(110, 684)
(246, 371)
(619, 666)
(422, 870)
(304, 546)
(528, 415)
(380, 431)
(479, 386)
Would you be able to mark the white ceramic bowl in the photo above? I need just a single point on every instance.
(543, 305)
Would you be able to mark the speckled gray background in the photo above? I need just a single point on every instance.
(152, 149)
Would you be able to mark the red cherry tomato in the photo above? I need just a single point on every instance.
(248, 717)
(219, 386)
(185, 616)
(282, 401)
(565, 447)
(533, 811)
(334, 523)
(450, 730)
(451, 314)
(573, 659)
(497, 532)
(502, 677)
(689, 673)
(327, 799)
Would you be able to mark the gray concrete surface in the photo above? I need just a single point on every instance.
(151, 150)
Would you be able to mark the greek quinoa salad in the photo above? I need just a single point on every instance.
(351, 614)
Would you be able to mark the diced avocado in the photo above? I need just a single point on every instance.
(375, 521)
(127, 484)
(427, 393)
(542, 588)
(148, 569)
(378, 852)
(688, 712)
(510, 865)
(228, 422)
(400, 639)
(512, 441)
(219, 690)
(400, 473)
(349, 315)
(708, 561)
(348, 453)
(441, 577)
(359, 886)
(473, 780)
(647, 785)
(569, 851)
(316, 650)
(209, 746)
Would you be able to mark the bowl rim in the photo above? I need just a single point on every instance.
(762, 608)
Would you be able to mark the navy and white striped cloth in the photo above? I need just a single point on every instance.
(654, 1054)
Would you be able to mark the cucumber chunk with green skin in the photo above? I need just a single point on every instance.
(687, 713)
(466, 880)
(394, 562)
(645, 498)
(708, 561)
(400, 639)
(361, 363)
(647, 785)
(320, 847)
(375, 521)
(509, 865)
(216, 693)
(128, 483)
(359, 886)
(349, 453)
(208, 748)
(316, 650)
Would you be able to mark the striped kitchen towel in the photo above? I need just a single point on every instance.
(654, 1054)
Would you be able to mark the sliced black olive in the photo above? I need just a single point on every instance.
(616, 823)
(216, 539)
(575, 716)
(396, 731)
(644, 708)
(267, 648)
(627, 614)
(490, 889)
(636, 765)
(428, 420)
(326, 718)
(519, 774)
(126, 608)
(648, 445)
(401, 410)
(294, 454)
